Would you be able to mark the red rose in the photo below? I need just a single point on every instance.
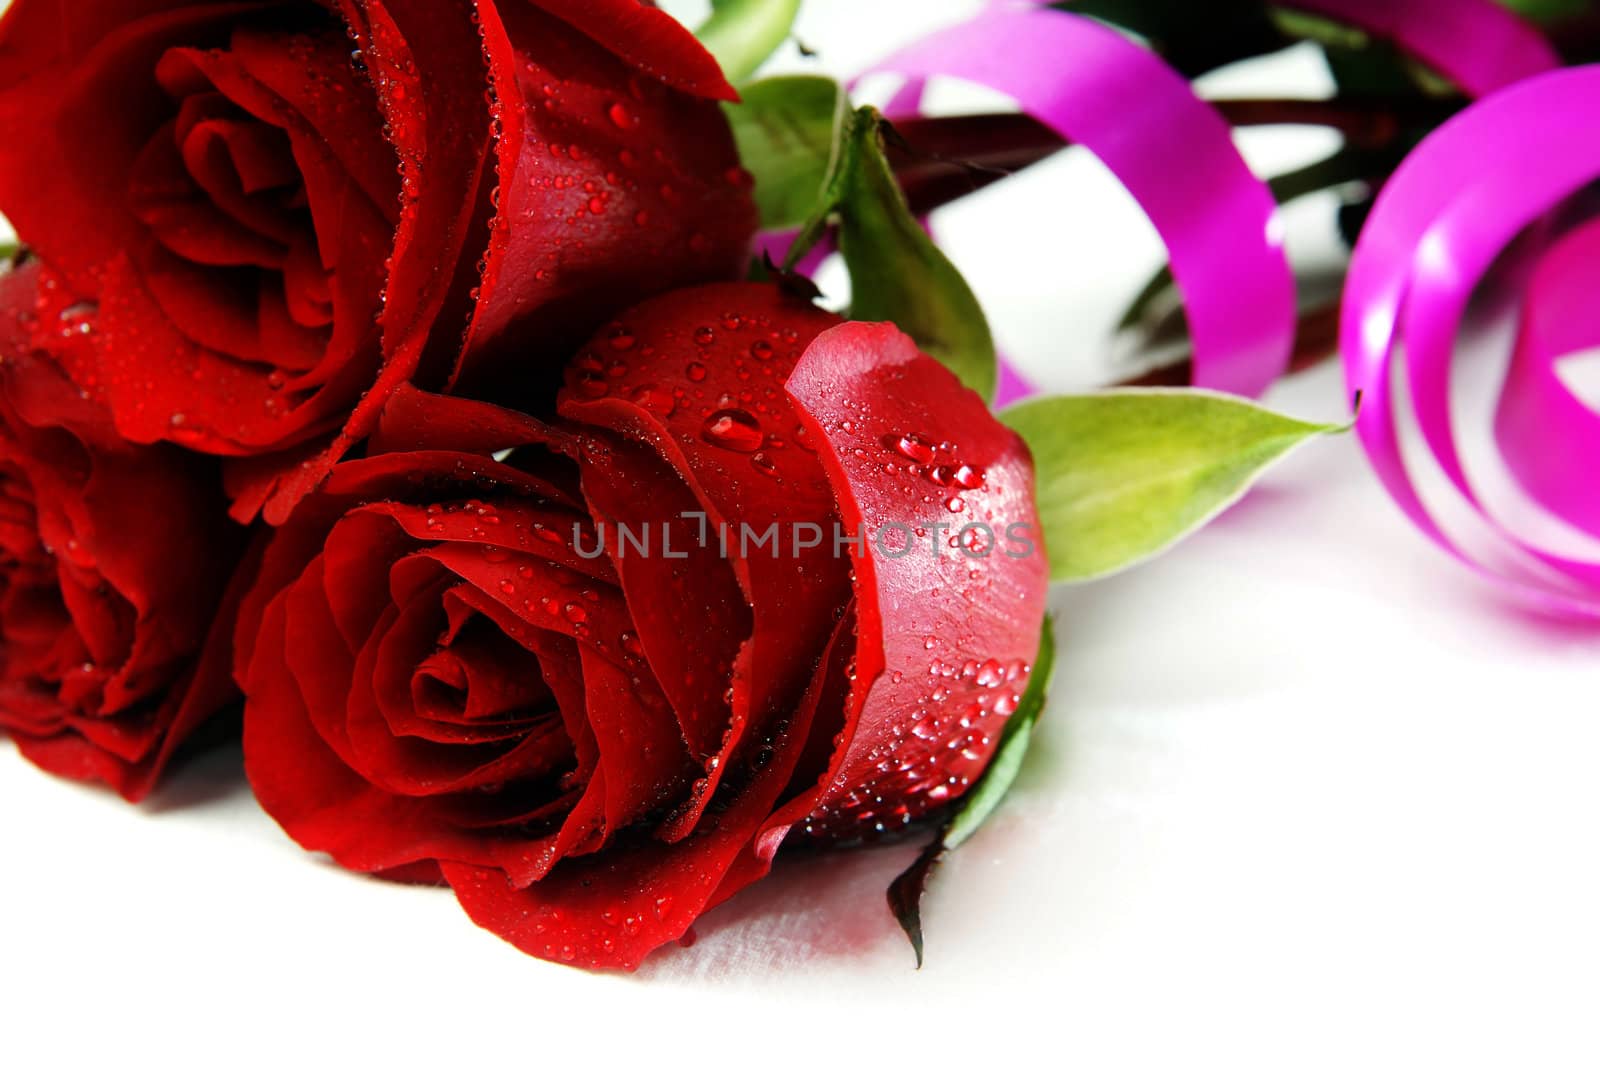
(279, 230)
(113, 562)
(449, 678)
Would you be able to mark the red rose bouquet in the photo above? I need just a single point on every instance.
(283, 211)
(433, 392)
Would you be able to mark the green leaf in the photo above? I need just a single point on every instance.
(1360, 63)
(742, 34)
(1322, 30)
(786, 130)
(1548, 10)
(1124, 475)
(979, 805)
(897, 273)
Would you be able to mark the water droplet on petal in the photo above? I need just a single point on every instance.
(733, 429)
(990, 673)
(967, 477)
(592, 385)
(654, 399)
(914, 448)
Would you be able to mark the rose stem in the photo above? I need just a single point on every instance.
(944, 159)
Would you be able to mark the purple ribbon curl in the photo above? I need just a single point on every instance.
(1175, 154)
(1172, 151)
(1454, 206)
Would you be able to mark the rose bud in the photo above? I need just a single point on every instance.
(113, 564)
(765, 573)
(283, 211)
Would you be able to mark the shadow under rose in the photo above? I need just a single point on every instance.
(815, 906)
(209, 777)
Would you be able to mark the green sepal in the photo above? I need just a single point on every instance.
(787, 129)
(897, 273)
(743, 34)
(979, 805)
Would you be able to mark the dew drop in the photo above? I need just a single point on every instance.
(733, 429)
(764, 464)
(915, 448)
(967, 477)
(654, 399)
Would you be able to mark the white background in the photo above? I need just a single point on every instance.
(1306, 796)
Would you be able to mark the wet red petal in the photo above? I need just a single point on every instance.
(944, 636)
(612, 910)
(670, 374)
(132, 658)
(609, 187)
(653, 41)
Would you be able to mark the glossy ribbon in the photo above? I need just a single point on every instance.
(1242, 337)
(1219, 223)
(1451, 209)
(1477, 44)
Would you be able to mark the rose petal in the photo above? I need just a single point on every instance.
(651, 40)
(943, 637)
(609, 188)
(613, 910)
(732, 344)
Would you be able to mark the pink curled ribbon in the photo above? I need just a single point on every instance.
(1072, 72)
(1174, 154)
(1477, 44)
(1451, 209)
